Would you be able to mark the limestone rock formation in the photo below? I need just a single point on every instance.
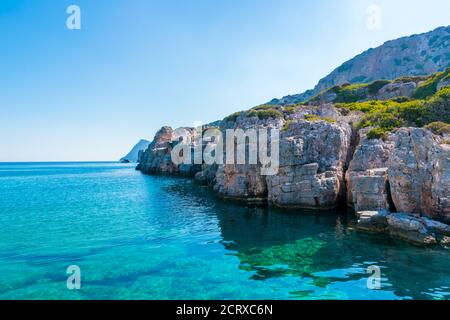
(342, 147)
(366, 177)
(312, 159)
(244, 181)
(419, 173)
(157, 158)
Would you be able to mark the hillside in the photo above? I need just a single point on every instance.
(415, 55)
(133, 155)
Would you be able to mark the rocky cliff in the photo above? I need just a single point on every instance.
(415, 55)
(382, 149)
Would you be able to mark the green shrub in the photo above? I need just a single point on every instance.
(265, 114)
(438, 127)
(385, 118)
(401, 99)
(429, 87)
(346, 93)
(366, 106)
(377, 133)
(291, 109)
(286, 125)
(406, 79)
(252, 113)
(391, 114)
(313, 118)
(438, 106)
(232, 117)
(351, 93)
(375, 86)
(446, 77)
(265, 107)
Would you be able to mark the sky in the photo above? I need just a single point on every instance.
(90, 94)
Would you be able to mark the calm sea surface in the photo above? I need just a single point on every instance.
(142, 237)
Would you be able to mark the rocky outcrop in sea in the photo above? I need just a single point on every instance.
(380, 151)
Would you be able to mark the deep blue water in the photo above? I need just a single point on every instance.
(140, 237)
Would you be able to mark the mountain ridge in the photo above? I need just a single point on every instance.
(133, 155)
(414, 55)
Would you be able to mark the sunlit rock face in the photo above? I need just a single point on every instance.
(157, 156)
(366, 177)
(312, 160)
(244, 181)
(419, 173)
(409, 172)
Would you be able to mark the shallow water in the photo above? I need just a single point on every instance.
(140, 237)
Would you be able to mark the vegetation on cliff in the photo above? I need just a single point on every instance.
(389, 61)
(385, 116)
(428, 105)
(427, 86)
(430, 85)
(313, 118)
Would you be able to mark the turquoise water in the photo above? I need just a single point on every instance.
(142, 237)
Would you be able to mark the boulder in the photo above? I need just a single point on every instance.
(396, 89)
(312, 160)
(410, 228)
(369, 190)
(157, 158)
(366, 177)
(419, 174)
(373, 221)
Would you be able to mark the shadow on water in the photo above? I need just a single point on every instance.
(322, 246)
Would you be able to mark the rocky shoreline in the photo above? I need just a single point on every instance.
(397, 184)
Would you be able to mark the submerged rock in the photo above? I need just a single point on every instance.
(410, 228)
(373, 221)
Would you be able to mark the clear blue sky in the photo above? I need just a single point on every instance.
(137, 65)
